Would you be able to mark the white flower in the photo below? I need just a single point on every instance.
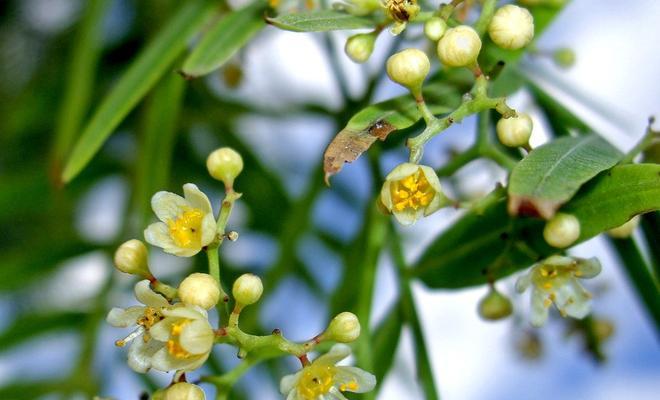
(408, 68)
(459, 46)
(323, 380)
(411, 191)
(188, 339)
(199, 289)
(187, 223)
(555, 280)
(144, 317)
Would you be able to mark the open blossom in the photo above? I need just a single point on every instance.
(411, 191)
(187, 223)
(555, 281)
(188, 339)
(144, 317)
(323, 380)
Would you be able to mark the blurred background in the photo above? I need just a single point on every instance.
(279, 103)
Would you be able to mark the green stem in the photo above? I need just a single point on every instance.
(648, 139)
(214, 271)
(496, 154)
(424, 367)
(487, 11)
(640, 276)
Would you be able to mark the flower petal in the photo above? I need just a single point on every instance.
(162, 360)
(364, 380)
(288, 382)
(196, 198)
(439, 201)
(581, 304)
(588, 268)
(407, 216)
(197, 337)
(401, 171)
(147, 296)
(188, 312)
(141, 353)
(209, 229)
(523, 282)
(168, 206)
(431, 177)
(539, 311)
(386, 195)
(337, 353)
(158, 234)
(333, 394)
(122, 318)
(161, 329)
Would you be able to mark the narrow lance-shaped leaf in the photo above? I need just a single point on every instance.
(227, 37)
(320, 21)
(377, 121)
(493, 245)
(551, 174)
(141, 76)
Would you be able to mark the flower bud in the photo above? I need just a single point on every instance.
(201, 290)
(624, 231)
(359, 47)
(515, 131)
(408, 68)
(184, 391)
(131, 258)
(562, 230)
(343, 328)
(225, 164)
(459, 46)
(247, 289)
(564, 57)
(495, 306)
(512, 27)
(434, 28)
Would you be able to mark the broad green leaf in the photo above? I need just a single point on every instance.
(28, 326)
(141, 76)
(377, 121)
(80, 79)
(386, 339)
(614, 197)
(157, 144)
(551, 174)
(227, 37)
(494, 245)
(320, 21)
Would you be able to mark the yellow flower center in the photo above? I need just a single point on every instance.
(316, 380)
(549, 277)
(412, 192)
(186, 230)
(173, 345)
(149, 318)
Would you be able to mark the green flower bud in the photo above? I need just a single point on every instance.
(562, 230)
(184, 391)
(225, 164)
(564, 57)
(343, 328)
(459, 46)
(512, 27)
(515, 131)
(434, 28)
(131, 258)
(247, 289)
(409, 68)
(495, 306)
(359, 47)
(201, 290)
(625, 230)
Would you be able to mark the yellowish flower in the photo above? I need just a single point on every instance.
(323, 380)
(411, 191)
(144, 317)
(555, 281)
(188, 339)
(187, 223)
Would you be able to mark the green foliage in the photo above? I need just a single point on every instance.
(320, 21)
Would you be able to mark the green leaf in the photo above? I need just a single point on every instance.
(385, 341)
(141, 76)
(227, 37)
(29, 326)
(551, 174)
(157, 145)
(80, 79)
(494, 245)
(320, 21)
(378, 120)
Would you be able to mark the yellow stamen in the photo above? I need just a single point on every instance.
(412, 192)
(315, 381)
(186, 230)
(173, 345)
(352, 386)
